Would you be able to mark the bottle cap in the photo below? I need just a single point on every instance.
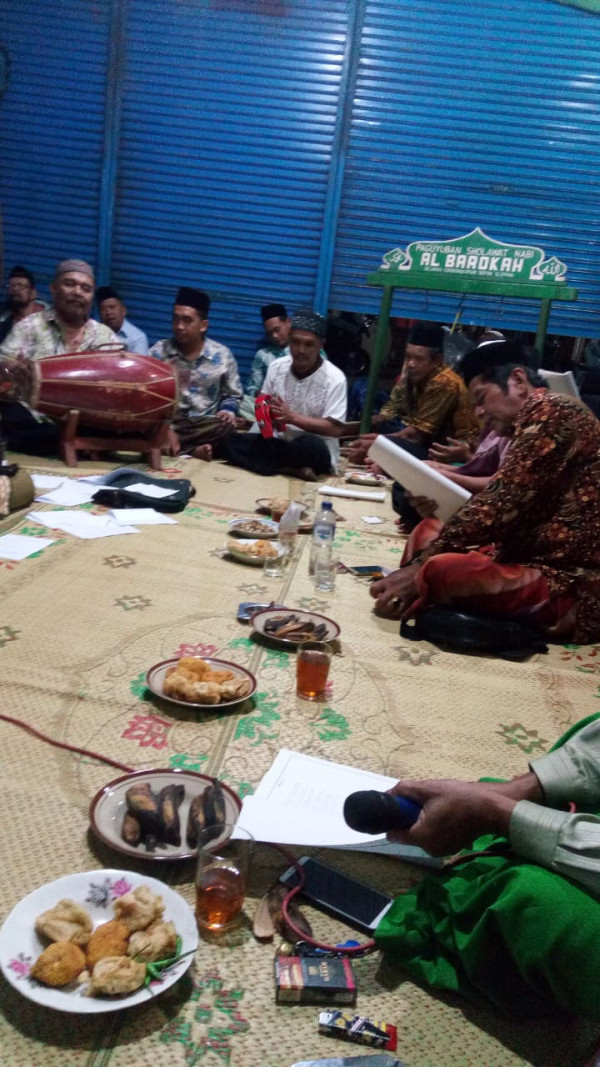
(327, 505)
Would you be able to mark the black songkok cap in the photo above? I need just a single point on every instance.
(193, 298)
(427, 335)
(273, 311)
(106, 292)
(492, 354)
(22, 272)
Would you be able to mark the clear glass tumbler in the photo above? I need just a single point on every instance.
(222, 877)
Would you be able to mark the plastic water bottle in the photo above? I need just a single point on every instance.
(323, 534)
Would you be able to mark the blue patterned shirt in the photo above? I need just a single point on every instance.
(207, 384)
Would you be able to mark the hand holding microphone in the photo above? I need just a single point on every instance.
(371, 812)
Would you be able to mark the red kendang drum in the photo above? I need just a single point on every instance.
(112, 389)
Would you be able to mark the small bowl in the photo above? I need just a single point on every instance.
(236, 549)
(270, 528)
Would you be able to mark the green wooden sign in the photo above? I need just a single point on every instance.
(475, 263)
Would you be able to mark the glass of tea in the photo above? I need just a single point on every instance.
(222, 877)
(312, 669)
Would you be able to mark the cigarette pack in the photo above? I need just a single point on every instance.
(357, 1028)
(314, 980)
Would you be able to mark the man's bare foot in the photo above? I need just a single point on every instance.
(306, 474)
(203, 452)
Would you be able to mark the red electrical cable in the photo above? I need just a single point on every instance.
(63, 744)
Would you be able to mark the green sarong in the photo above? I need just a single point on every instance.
(501, 931)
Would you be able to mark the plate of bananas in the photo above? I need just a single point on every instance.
(158, 814)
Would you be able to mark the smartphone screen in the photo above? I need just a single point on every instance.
(372, 572)
(338, 894)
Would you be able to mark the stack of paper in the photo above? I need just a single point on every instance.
(353, 494)
(300, 801)
(81, 523)
(20, 546)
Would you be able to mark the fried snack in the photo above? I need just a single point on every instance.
(256, 550)
(158, 942)
(279, 504)
(197, 667)
(116, 975)
(109, 939)
(139, 908)
(238, 687)
(219, 676)
(59, 964)
(142, 804)
(169, 799)
(66, 921)
(131, 830)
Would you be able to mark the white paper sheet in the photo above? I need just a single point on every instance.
(141, 516)
(372, 520)
(80, 523)
(46, 481)
(353, 494)
(300, 801)
(155, 491)
(19, 546)
(420, 480)
(68, 495)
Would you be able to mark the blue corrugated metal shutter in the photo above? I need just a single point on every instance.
(51, 131)
(228, 121)
(469, 115)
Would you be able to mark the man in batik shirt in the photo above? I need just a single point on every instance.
(529, 544)
(65, 327)
(209, 382)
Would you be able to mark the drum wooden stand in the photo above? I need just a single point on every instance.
(72, 441)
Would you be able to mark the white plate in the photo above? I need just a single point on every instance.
(155, 680)
(365, 478)
(110, 804)
(271, 529)
(259, 620)
(234, 548)
(20, 944)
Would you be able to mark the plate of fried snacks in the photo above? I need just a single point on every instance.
(157, 815)
(294, 626)
(275, 507)
(254, 551)
(365, 477)
(197, 683)
(253, 527)
(99, 941)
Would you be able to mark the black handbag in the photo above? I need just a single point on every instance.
(113, 494)
(458, 631)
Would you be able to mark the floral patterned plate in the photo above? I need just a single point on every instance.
(155, 680)
(95, 891)
(110, 804)
(366, 478)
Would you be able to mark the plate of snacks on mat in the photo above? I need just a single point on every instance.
(253, 527)
(365, 477)
(293, 626)
(275, 507)
(253, 551)
(97, 941)
(192, 682)
(157, 815)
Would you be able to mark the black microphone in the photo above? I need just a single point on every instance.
(371, 812)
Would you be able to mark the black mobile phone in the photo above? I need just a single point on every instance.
(248, 608)
(336, 893)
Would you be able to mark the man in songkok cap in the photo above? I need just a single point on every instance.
(22, 299)
(528, 545)
(429, 401)
(64, 327)
(276, 323)
(209, 382)
(113, 314)
(307, 401)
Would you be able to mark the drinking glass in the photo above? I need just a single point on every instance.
(222, 877)
(312, 669)
(273, 565)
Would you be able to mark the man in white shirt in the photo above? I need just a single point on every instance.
(308, 398)
(113, 313)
